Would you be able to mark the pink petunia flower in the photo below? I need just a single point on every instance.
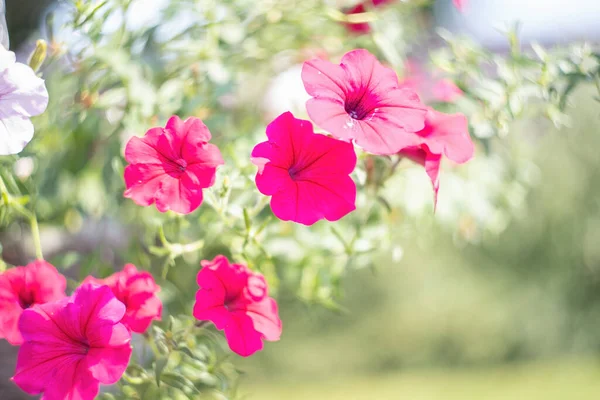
(444, 134)
(307, 174)
(460, 5)
(364, 27)
(73, 345)
(429, 88)
(138, 291)
(445, 90)
(22, 96)
(421, 155)
(170, 166)
(237, 301)
(22, 287)
(360, 100)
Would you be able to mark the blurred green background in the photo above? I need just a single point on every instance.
(513, 317)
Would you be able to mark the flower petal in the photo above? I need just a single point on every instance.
(324, 79)
(272, 179)
(448, 134)
(325, 156)
(107, 364)
(203, 174)
(99, 306)
(365, 72)
(182, 195)
(284, 203)
(144, 150)
(241, 336)
(15, 133)
(265, 318)
(143, 181)
(23, 93)
(72, 382)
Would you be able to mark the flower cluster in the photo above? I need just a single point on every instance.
(72, 344)
(69, 345)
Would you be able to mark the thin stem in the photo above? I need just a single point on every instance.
(30, 216)
(35, 232)
(597, 82)
(163, 238)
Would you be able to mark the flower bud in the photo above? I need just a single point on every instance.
(37, 58)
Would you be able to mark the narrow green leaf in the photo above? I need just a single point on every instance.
(159, 367)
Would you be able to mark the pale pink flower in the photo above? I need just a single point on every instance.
(428, 86)
(443, 135)
(360, 100)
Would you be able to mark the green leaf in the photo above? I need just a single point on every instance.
(179, 382)
(159, 367)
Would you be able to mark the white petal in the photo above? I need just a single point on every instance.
(15, 132)
(7, 58)
(22, 92)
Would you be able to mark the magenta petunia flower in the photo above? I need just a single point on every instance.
(360, 100)
(444, 134)
(170, 166)
(138, 291)
(236, 300)
(22, 287)
(73, 345)
(307, 174)
(22, 96)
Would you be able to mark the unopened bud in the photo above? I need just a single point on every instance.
(38, 56)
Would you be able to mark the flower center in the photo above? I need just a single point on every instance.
(85, 346)
(26, 300)
(181, 164)
(293, 172)
(360, 105)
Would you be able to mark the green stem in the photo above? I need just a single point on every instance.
(597, 82)
(30, 216)
(35, 232)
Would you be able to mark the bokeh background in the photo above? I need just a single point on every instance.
(501, 302)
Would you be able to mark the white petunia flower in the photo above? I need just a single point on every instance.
(22, 96)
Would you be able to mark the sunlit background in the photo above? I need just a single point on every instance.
(496, 296)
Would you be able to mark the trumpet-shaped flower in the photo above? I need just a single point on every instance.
(307, 174)
(170, 166)
(72, 345)
(361, 100)
(237, 301)
(138, 291)
(23, 287)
